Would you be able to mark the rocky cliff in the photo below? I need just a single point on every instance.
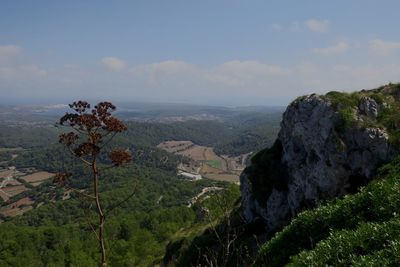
(328, 146)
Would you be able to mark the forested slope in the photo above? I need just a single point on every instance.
(325, 194)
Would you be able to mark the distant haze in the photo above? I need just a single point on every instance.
(230, 53)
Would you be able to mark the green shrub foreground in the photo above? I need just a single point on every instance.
(361, 229)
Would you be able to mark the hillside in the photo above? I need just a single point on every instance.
(54, 228)
(324, 162)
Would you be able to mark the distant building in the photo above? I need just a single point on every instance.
(189, 176)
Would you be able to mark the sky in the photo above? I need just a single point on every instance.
(212, 52)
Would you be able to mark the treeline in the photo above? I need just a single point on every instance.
(5, 156)
(28, 136)
(56, 158)
(241, 134)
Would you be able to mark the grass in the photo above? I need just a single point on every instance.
(214, 163)
(343, 100)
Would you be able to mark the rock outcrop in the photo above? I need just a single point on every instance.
(318, 156)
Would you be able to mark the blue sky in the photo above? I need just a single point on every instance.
(203, 52)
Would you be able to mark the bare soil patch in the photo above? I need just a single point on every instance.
(37, 177)
(6, 173)
(14, 190)
(175, 146)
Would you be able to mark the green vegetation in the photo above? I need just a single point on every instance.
(346, 104)
(359, 228)
(254, 133)
(387, 97)
(214, 163)
(343, 100)
(58, 233)
(240, 134)
(5, 156)
(204, 241)
(362, 229)
(27, 137)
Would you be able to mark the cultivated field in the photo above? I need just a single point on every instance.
(17, 208)
(211, 165)
(175, 146)
(10, 186)
(14, 190)
(37, 177)
(4, 196)
(6, 173)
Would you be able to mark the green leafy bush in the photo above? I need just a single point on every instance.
(361, 246)
(378, 202)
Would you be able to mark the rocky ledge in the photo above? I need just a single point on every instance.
(318, 155)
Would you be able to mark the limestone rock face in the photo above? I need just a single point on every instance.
(323, 158)
(368, 107)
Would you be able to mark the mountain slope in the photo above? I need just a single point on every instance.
(316, 197)
(328, 146)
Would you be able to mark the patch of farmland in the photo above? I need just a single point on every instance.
(19, 207)
(6, 173)
(233, 178)
(6, 183)
(207, 169)
(14, 190)
(195, 153)
(214, 163)
(9, 212)
(36, 177)
(211, 165)
(3, 195)
(218, 174)
(175, 146)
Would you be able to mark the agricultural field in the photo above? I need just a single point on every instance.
(6, 173)
(175, 146)
(17, 208)
(14, 182)
(206, 161)
(37, 178)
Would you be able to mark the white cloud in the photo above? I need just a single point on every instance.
(22, 72)
(381, 47)
(9, 51)
(233, 73)
(244, 73)
(249, 69)
(245, 82)
(317, 25)
(168, 66)
(338, 48)
(113, 63)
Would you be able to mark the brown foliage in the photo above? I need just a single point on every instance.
(92, 129)
(119, 157)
